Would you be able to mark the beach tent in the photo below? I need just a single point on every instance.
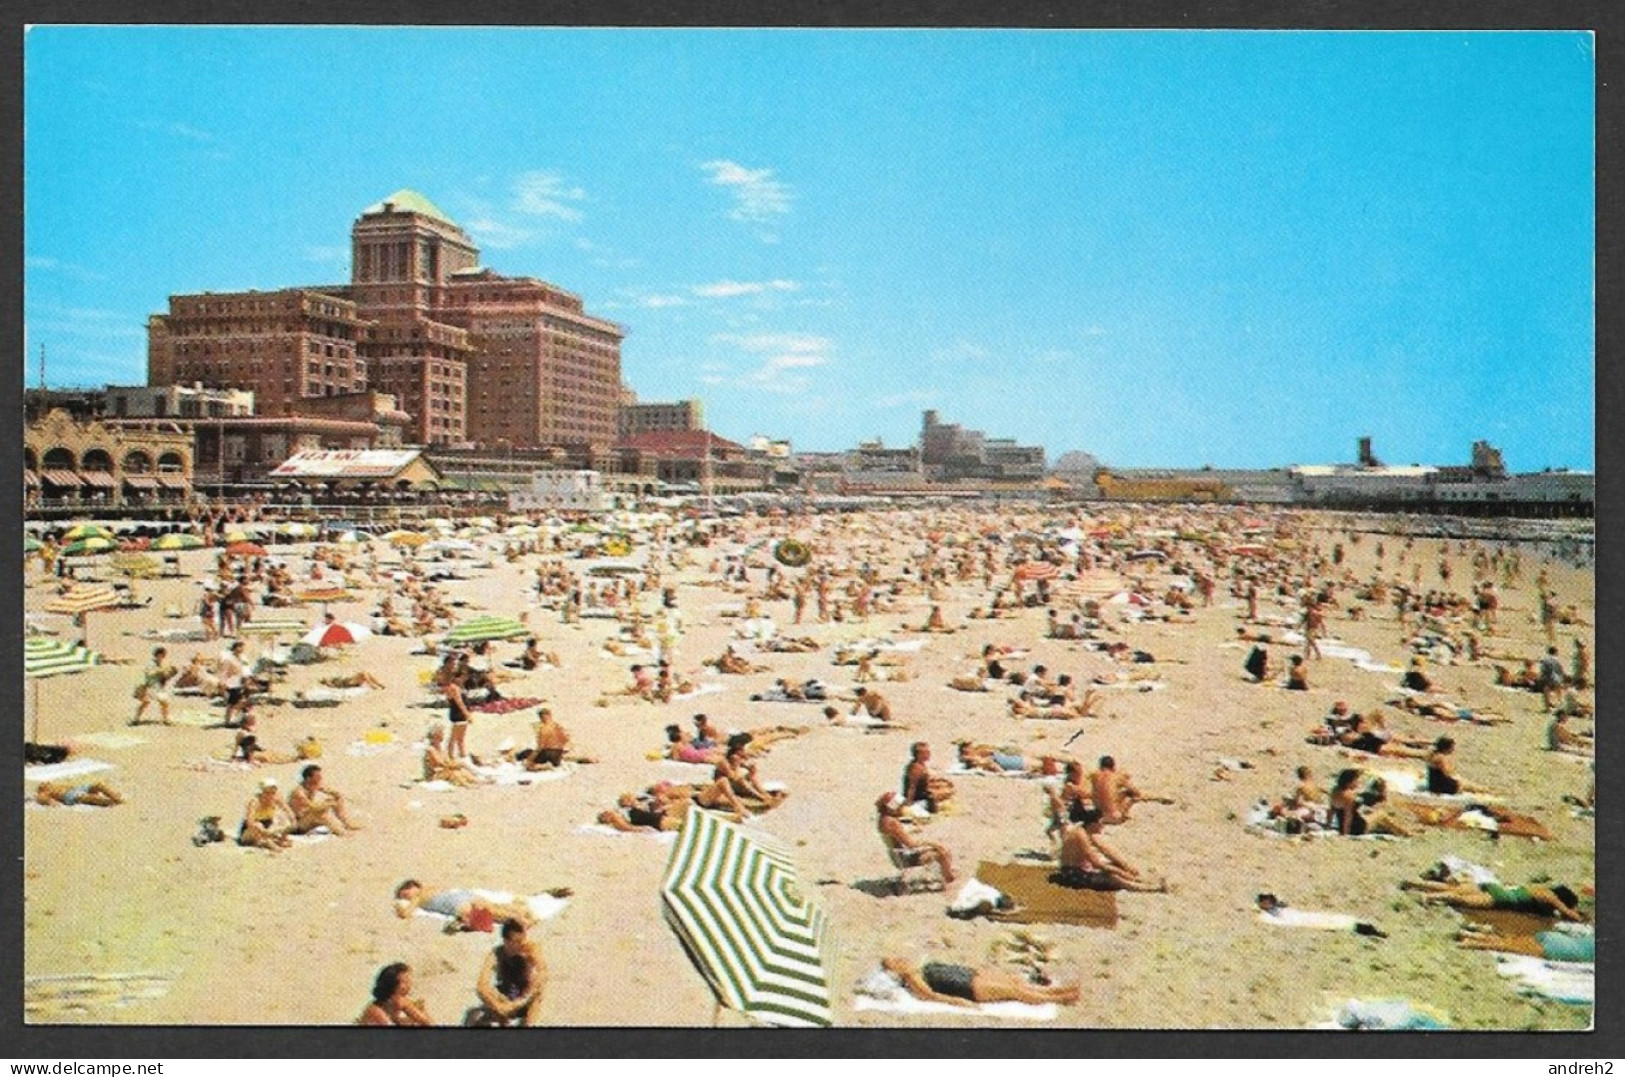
(484, 628)
(734, 900)
(45, 657)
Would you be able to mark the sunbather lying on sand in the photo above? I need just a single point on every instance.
(660, 807)
(1558, 900)
(1367, 735)
(1004, 760)
(961, 985)
(466, 909)
(69, 793)
(1081, 708)
(785, 691)
(359, 679)
(1445, 712)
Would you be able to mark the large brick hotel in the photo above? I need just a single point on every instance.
(471, 355)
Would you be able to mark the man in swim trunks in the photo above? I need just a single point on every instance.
(313, 805)
(896, 836)
(961, 985)
(464, 907)
(1559, 900)
(512, 979)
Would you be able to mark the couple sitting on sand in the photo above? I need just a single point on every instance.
(269, 821)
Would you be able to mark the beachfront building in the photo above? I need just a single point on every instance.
(75, 463)
(642, 418)
(562, 491)
(705, 461)
(283, 346)
(394, 470)
(174, 402)
(952, 453)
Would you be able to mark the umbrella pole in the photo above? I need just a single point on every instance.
(36, 710)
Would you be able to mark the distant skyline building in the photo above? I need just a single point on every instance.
(643, 418)
(950, 452)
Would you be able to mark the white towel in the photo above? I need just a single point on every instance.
(71, 768)
(702, 690)
(906, 1003)
(1565, 981)
(542, 906)
(687, 772)
(1320, 921)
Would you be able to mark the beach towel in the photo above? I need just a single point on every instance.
(71, 768)
(327, 697)
(502, 774)
(1283, 916)
(958, 770)
(1040, 901)
(687, 773)
(872, 993)
(542, 906)
(664, 837)
(1571, 982)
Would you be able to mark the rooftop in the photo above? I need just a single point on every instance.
(407, 200)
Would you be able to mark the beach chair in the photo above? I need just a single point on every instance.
(912, 875)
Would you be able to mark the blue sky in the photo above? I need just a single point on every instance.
(1241, 249)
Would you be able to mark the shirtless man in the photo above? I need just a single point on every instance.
(892, 831)
(551, 742)
(314, 806)
(1114, 793)
(874, 703)
(512, 979)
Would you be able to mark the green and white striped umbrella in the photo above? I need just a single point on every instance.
(44, 656)
(732, 896)
(484, 628)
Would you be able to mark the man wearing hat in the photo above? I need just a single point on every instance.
(896, 836)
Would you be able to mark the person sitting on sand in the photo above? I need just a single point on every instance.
(1415, 680)
(961, 985)
(1257, 665)
(889, 821)
(1297, 674)
(1561, 738)
(552, 742)
(1354, 814)
(1442, 779)
(1556, 900)
(392, 1002)
(314, 805)
(466, 909)
(1114, 792)
(873, 703)
(730, 662)
(68, 793)
(267, 820)
(439, 766)
(1087, 863)
(1306, 803)
(742, 778)
(246, 746)
(936, 622)
(511, 980)
(920, 786)
(196, 674)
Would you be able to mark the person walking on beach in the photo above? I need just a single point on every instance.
(233, 675)
(154, 687)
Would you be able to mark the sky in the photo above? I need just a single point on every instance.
(1242, 249)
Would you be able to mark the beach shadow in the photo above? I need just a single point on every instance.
(878, 888)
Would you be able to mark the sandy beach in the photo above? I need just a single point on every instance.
(127, 922)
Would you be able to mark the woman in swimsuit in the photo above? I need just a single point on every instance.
(681, 748)
(266, 820)
(392, 1002)
(1442, 778)
(961, 985)
(458, 714)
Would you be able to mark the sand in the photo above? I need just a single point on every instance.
(128, 922)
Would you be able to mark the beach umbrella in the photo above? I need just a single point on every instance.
(351, 538)
(1036, 570)
(520, 530)
(86, 546)
(45, 657)
(85, 531)
(406, 538)
(135, 565)
(32, 544)
(484, 628)
(272, 626)
(245, 548)
(83, 600)
(236, 534)
(336, 634)
(734, 900)
(180, 540)
(297, 530)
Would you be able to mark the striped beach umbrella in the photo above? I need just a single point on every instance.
(136, 565)
(46, 657)
(83, 600)
(31, 544)
(85, 531)
(324, 594)
(274, 626)
(178, 541)
(297, 530)
(484, 628)
(336, 634)
(734, 900)
(86, 546)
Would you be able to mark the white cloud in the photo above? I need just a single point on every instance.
(657, 301)
(727, 289)
(775, 342)
(546, 194)
(758, 197)
(498, 234)
(786, 359)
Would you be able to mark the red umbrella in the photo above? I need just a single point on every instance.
(336, 634)
(245, 549)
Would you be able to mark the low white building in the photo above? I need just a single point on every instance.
(567, 491)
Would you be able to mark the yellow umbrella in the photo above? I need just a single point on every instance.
(406, 538)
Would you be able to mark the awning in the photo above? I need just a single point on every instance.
(61, 478)
(30, 478)
(98, 478)
(173, 482)
(142, 482)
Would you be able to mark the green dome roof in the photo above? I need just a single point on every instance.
(407, 200)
